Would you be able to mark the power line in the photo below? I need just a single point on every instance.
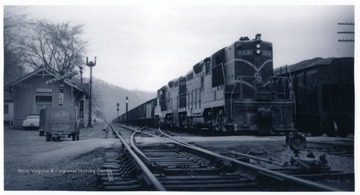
(346, 23)
(346, 32)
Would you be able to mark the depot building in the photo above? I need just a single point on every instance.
(40, 89)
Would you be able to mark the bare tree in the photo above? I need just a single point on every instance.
(14, 23)
(56, 46)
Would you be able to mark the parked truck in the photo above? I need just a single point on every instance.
(61, 122)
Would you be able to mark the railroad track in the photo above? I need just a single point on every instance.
(334, 146)
(174, 165)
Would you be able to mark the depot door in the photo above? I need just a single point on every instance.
(41, 102)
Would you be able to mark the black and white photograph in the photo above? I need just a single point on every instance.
(178, 96)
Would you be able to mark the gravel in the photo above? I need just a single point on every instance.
(31, 163)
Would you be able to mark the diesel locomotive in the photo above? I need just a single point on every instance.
(325, 98)
(233, 90)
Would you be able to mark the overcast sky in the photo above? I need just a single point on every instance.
(143, 47)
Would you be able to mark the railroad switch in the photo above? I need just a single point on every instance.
(296, 141)
(309, 162)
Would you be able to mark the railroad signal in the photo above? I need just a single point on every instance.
(91, 65)
(126, 115)
(117, 109)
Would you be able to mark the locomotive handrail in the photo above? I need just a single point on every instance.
(291, 91)
(240, 80)
(283, 77)
(224, 84)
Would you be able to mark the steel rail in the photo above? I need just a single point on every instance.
(132, 143)
(148, 174)
(259, 170)
(249, 167)
(270, 161)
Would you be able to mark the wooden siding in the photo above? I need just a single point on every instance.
(25, 96)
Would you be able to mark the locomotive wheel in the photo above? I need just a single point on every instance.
(222, 127)
(186, 125)
(220, 124)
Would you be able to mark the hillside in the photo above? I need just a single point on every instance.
(106, 96)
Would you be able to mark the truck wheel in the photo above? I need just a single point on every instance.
(48, 137)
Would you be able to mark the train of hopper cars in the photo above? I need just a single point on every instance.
(324, 91)
(233, 90)
(237, 90)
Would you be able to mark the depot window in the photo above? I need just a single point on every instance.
(43, 99)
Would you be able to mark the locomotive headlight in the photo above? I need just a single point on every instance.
(257, 46)
(258, 51)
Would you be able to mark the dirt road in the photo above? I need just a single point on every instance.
(31, 163)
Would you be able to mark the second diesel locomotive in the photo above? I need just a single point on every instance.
(233, 90)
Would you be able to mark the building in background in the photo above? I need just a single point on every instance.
(8, 109)
(40, 89)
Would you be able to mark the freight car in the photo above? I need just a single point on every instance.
(140, 115)
(233, 90)
(324, 91)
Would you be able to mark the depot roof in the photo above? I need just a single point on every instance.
(43, 71)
